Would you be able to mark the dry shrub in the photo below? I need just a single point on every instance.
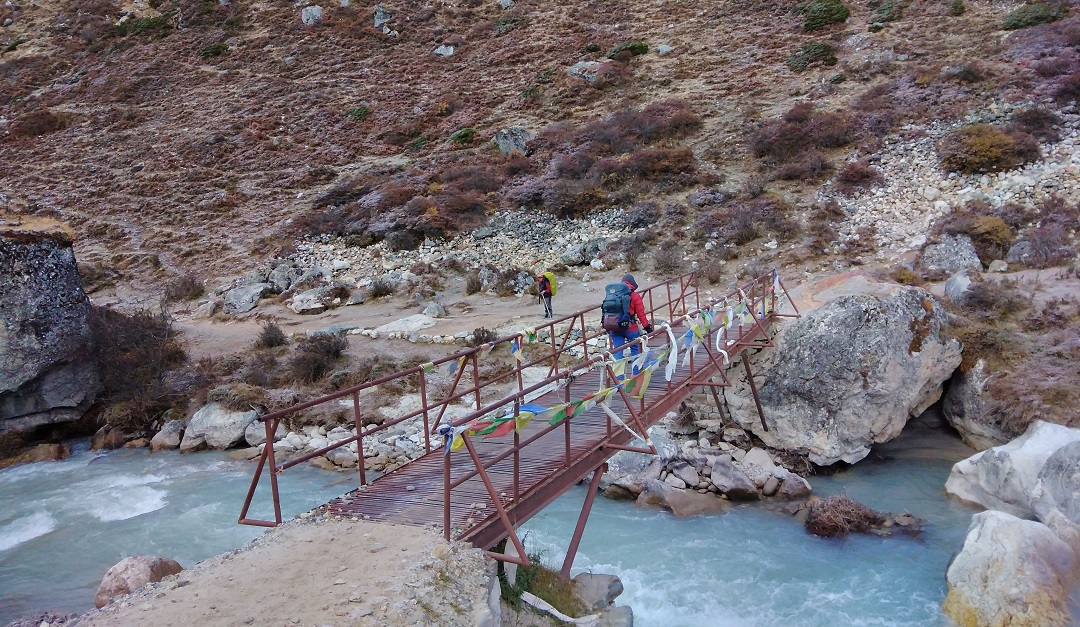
(668, 259)
(839, 516)
(380, 288)
(990, 235)
(995, 300)
(855, 175)
(798, 132)
(37, 123)
(1068, 88)
(481, 336)
(270, 336)
(312, 358)
(986, 148)
(135, 353)
(809, 166)
(183, 288)
(238, 397)
(473, 284)
(1037, 122)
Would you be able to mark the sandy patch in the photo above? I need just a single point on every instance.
(320, 572)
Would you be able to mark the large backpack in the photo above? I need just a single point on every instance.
(615, 311)
(551, 281)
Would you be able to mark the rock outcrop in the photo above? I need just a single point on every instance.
(1010, 572)
(1028, 477)
(848, 374)
(132, 573)
(216, 427)
(965, 407)
(47, 371)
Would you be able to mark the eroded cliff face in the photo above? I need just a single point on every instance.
(47, 371)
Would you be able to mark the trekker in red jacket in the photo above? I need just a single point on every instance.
(638, 321)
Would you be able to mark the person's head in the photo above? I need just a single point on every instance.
(629, 280)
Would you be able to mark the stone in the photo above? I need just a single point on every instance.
(42, 453)
(793, 487)
(1029, 477)
(686, 473)
(966, 410)
(47, 372)
(664, 49)
(1010, 572)
(887, 359)
(957, 285)
(628, 471)
(505, 4)
(772, 484)
(952, 253)
(434, 310)
(510, 141)
(732, 482)
(382, 17)
(998, 265)
(209, 308)
(282, 277)
(312, 15)
(244, 298)
(407, 326)
(444, 51)
(573, 255)
(585, 70)
(216, 427)
(132, 573)
(340, 265)
(681, 503)
(107, 438)
(597, 592)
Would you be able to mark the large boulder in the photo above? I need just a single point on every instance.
(1010, 572)
(1033, 475)
(628, 471)
(132, 573)
(216, 427)
(732, 482)
(681, 503)
(848, 374)
(168, 439)
(967, 409)
(244, 298)
(47, 371)
(952, 253)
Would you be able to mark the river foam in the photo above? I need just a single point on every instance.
(25, 529)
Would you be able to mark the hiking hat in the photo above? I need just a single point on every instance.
(629, 278)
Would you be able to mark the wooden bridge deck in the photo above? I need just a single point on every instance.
(413, 493)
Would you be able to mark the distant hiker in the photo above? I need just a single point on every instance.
(545, 287)
(623, 314)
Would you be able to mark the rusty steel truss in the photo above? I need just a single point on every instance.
(483, 491)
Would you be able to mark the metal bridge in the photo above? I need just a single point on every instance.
(521, 445)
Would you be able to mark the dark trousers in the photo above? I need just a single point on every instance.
(546, 298)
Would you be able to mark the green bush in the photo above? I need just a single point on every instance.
(359, 113)
(986, 148)
(463, 136)
(143, 26)
(888, 11)
(635, 48)
(213, 50)
(814, 52)
(1032, 15)
(821, 13)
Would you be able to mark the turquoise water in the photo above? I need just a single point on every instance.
(63, 524)
(756, 567)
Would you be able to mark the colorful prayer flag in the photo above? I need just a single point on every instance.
(636, 385)
(515, 350)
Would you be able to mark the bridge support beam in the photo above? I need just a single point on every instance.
(583, 518)
(753, 388)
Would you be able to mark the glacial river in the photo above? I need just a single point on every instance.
(63, 524)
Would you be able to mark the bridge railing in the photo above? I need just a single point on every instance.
(567, 346)
(470, 374)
